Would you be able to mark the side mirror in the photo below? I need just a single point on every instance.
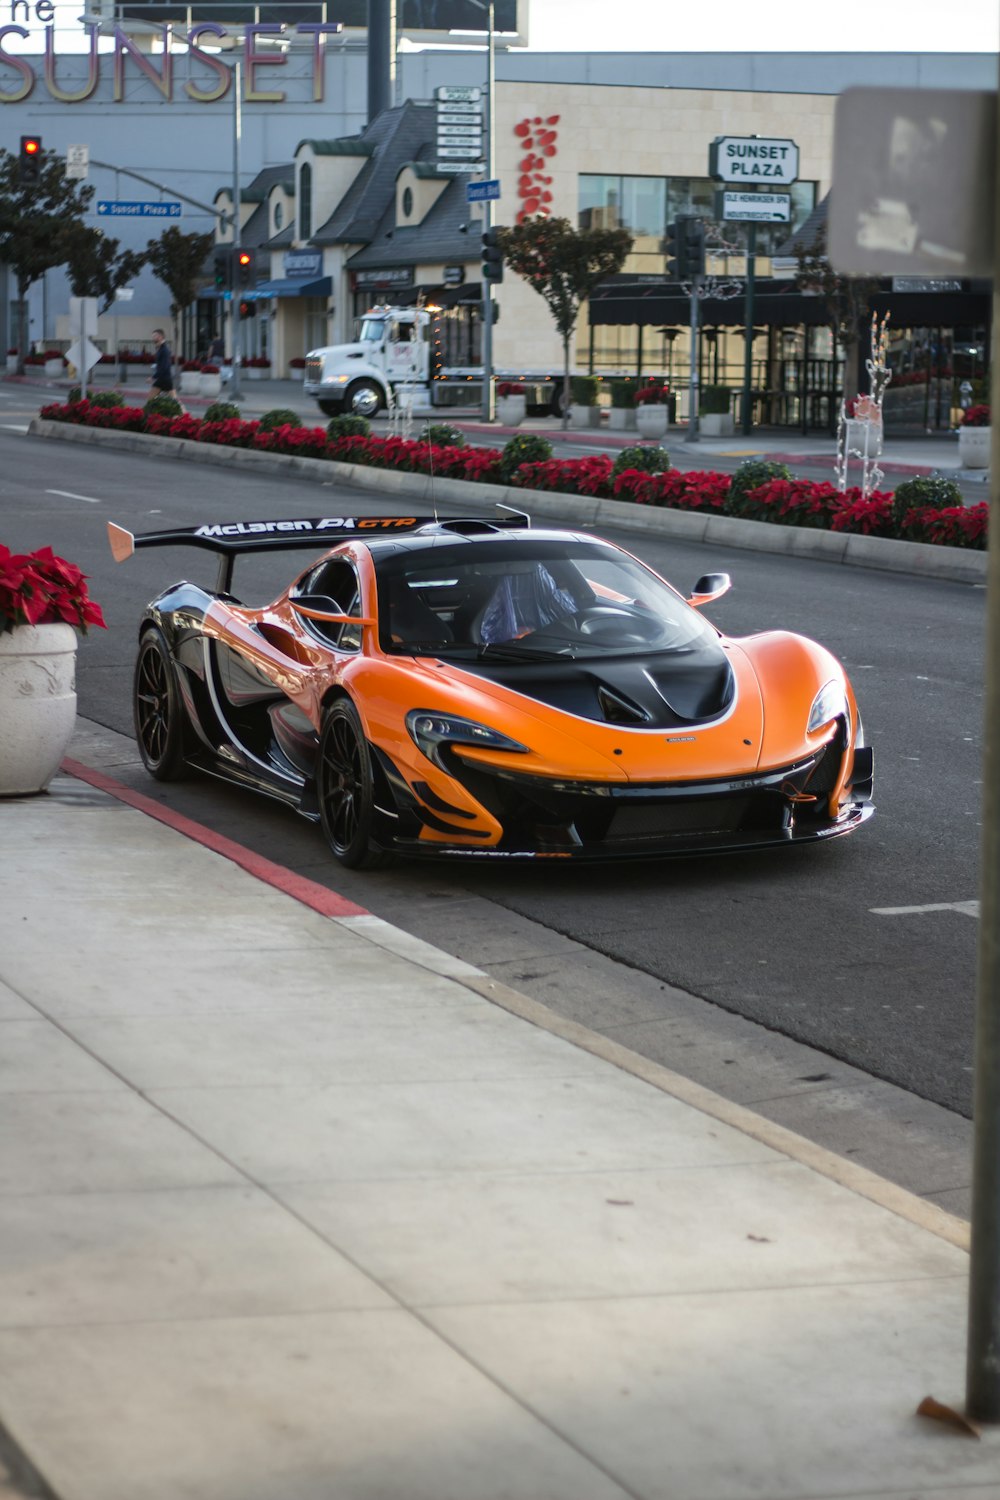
(710, 586)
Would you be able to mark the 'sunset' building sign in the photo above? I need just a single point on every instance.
(751, 158)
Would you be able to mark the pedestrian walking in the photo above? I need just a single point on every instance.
(161, 378)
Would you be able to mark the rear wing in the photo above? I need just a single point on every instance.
(230, 539)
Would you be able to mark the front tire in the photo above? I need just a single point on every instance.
(329, 408)
(157, 709)
(345, 789)
(364, 399)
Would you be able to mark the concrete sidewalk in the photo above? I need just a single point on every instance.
(298, 1206)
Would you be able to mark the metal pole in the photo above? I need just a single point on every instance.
(114, 321)
(83, 352)
(982, 1397)
(748, 349)
(489, 395)
(692, 432)
(234, 270)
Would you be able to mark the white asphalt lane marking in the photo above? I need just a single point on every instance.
(69, 495)
(967, 908)
(14, 426)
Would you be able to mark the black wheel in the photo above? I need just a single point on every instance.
(329, 408)
(157, 710)
(364, 399)
(344, 788)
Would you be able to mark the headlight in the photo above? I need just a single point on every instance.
(335, 379)
(430, 732)
(829, 703)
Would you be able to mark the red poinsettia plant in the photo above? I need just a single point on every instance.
(976, 416)
(652, 395)
(38, 588)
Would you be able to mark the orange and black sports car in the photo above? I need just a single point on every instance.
(481, 689)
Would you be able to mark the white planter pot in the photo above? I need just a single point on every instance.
(622, 419)
(511, 410)
(584, 416)
(209, 385)
(53, 368)
(190, 382)
(974, 447)
(254, 372)
(37, 705)
(296, 372)
(652, 419)
(12, 364)
(716, 424)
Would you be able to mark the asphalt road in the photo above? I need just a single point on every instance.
(793, 940)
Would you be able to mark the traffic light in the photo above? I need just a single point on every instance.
(694, 241)
(29, 161)
(246, 271)
(248, 309)
(222, 270)
(492, 267)
(676, 248)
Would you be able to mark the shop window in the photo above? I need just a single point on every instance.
(600, 202)
(305, 201)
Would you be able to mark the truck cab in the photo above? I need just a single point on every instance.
(390, 354)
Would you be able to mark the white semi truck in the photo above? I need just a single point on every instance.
(426, 353)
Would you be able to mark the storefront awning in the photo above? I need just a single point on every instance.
(321, 286)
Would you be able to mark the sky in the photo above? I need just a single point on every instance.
(778, 26)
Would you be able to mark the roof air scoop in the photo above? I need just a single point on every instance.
(618, 709)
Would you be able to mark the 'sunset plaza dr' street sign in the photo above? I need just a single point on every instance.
(753, 158)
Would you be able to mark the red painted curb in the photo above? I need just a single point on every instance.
(317, 897)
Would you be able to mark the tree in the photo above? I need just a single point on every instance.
(36, 220)
(178, 260)
(97, 265)
(847, 300)
(564, 265)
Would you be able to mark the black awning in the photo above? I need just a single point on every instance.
(629, 302)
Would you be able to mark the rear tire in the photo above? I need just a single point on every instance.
(158, 710)
(345, 789)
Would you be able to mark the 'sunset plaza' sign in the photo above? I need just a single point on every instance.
(159, 71)
(753, 158)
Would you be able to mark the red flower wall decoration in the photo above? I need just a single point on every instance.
(537, 137)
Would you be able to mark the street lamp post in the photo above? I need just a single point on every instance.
(234, 271)
(489, 397)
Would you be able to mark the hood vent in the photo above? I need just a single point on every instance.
(618, 709)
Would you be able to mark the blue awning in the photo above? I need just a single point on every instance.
(321, 286)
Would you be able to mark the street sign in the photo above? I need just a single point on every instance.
(752, 158)
(460, 153)
(913, 171)
(125, 294)
(458, 111)
(120, 209)
(83, 356)
(454, 135)
(753, 208)
(77, 161)
(482, 192)
(458, 94)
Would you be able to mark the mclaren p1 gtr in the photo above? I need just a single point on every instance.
(482, 689)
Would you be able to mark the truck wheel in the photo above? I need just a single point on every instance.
(556, 404)
(364, 399)
(329, 408)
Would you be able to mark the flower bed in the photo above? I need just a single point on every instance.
(786, 502)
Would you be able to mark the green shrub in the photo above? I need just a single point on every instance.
(583, 390)
(649, 460)
(108, 398)
(930, 491)
(222, 411)
(622, 394)
(163, 406)
(279, 417)
(714, 400)
(751, 474)
(443, 435)
(526, 448)
(348, 426)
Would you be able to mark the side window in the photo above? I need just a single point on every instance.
(336, 580)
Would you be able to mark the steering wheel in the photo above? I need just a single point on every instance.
(619, 624)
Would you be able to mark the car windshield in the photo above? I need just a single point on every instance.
(372, 330)
(528, 602)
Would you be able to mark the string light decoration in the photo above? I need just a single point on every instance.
(859, 429)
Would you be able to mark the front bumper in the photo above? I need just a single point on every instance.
(545, 819)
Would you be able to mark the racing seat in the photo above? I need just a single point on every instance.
(412, 621)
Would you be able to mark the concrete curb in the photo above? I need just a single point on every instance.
(916, 559)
